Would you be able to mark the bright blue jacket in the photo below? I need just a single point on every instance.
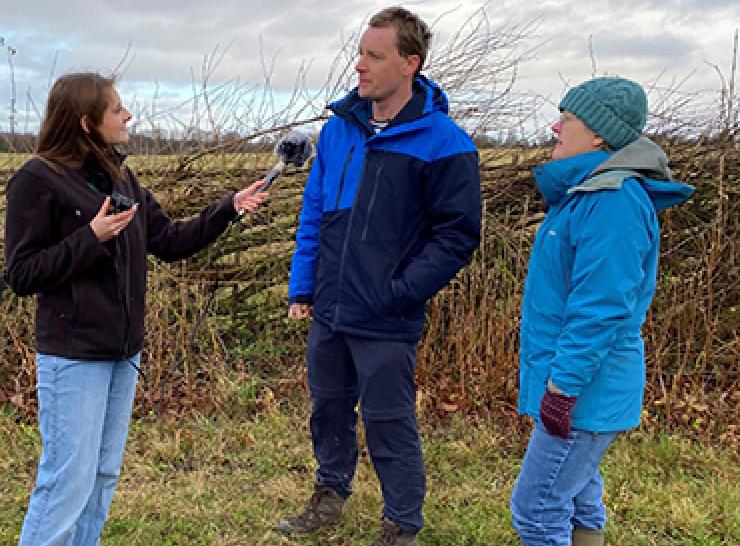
(591, 278)
(388, 218)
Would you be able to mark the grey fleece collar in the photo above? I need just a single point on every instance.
(641, 159)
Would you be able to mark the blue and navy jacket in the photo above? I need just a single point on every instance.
(591, 278)
(388, 218)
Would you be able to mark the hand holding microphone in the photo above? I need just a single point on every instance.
(249, 199)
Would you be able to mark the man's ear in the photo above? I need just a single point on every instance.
(598, 142)
(412, 64)
(84, 124)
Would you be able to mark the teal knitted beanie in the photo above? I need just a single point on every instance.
(614, 108)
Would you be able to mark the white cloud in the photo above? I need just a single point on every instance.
(636, 38)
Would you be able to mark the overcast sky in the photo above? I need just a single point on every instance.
(640, 39)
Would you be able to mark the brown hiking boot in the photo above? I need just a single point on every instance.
(323, 509)
(392, 535)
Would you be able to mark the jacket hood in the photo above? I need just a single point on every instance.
(643, 160)
(643, 156)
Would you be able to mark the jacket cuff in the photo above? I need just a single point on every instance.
(301, 298)
(88, 248)
(552, 387)
(562, 384)
(227, 206)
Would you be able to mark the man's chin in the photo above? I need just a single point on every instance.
(366, 92)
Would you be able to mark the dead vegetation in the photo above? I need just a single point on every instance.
(217, 322)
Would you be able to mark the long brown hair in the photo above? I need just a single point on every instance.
(62, 138)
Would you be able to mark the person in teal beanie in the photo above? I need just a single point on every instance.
(591, 278)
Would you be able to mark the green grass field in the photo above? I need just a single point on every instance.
(12, 161)
(225, 481)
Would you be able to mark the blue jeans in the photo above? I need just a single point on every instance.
(559, 487)
(84, 413)
(345, 369)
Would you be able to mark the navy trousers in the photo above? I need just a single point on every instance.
(345, 369)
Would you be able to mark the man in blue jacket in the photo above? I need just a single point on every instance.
(391, 212)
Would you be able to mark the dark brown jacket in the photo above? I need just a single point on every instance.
(91, 296)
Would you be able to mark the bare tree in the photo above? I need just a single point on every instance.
(12, 112)
(477, 65)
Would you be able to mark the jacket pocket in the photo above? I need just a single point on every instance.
(332, 234)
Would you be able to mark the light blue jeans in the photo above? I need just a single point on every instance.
(559, 487)
(84, 413)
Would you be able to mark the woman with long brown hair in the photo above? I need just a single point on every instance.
(79, 227)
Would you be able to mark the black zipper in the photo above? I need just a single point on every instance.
(345, 244)
(373, 195)
(122, 290)
(123, 252)
(344, 172)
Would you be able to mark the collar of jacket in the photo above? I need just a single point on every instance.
(118, 156)
(555, 178)
(97, 175)
(642, 159)
(427, 97)
(596, 171)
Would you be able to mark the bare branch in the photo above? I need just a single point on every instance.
(125, 63)
(592, 55)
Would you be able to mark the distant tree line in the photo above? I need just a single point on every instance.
(140, 144)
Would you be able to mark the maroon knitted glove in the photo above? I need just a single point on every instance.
(556, 413)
